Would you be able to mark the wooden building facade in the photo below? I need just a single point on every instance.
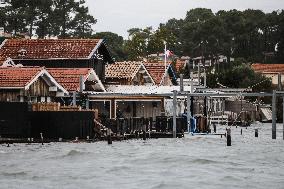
(58, 53)
(28, 84)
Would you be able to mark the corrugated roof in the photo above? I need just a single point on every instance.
(125, 70)
(18, 77)
(265, 68)
(69, 78)
(128, 89)
(48, 48)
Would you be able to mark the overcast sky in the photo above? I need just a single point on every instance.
(120, 15)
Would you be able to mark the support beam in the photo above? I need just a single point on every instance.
(205, 78)
(113, 108)
(198, 73)
(181, 83)
(274, 115)
(87, 104)
(175, 114)
(191, 85)
(81, 83)
(74, 99)
(279, 82)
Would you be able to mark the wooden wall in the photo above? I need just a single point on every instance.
(97, 65)
(38, 89)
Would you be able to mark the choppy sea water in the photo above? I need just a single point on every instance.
(191, 162)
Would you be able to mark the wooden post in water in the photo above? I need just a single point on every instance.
(109, 141)
(175, 114)
(144, 132)
(229, 139)
(274, 115)
(256, 133)
(283, 117)
(241, 131)
(41, 136)
(188, 115)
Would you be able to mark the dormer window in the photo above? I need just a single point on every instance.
(22, 53)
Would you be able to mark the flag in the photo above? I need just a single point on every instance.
(169, 53)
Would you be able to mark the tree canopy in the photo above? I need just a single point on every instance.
(250, 34)
(61, 18)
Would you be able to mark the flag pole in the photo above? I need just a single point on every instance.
(165, 56)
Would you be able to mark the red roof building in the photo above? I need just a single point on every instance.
(49, 48)
(58, 53)
(128, 73)
(160, 75)
(270, 71)
(265, 68)
(28, 84)
(69, 78)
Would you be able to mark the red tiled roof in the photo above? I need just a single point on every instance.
(122, 70)
(156, 70)
(18, 77)
(262, 68)
(69, 78)
(179, 65)
(48, 48)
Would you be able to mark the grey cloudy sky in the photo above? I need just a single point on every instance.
(120, 15)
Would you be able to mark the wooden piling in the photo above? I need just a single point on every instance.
(144, 135)
(41, 136)
(109, 141)
(256, 133)
(188, 113)
(229, 139)
(274, 115)
(241, 131)
(175, 114)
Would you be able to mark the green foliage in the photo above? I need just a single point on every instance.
(239, 75)
(62, 18)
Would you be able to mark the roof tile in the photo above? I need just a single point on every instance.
(48, 48)
(156, 70)
(124, 70)
(17, 77)
(69, 78)
(272, 68)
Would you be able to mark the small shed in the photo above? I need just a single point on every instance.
(28, 84)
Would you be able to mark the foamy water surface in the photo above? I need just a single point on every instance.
(191, 162)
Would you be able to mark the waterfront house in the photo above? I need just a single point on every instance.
(270, 71)
(128, 73)
(29, 84)
(136, 101)
(161, 74)
(58, 53)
